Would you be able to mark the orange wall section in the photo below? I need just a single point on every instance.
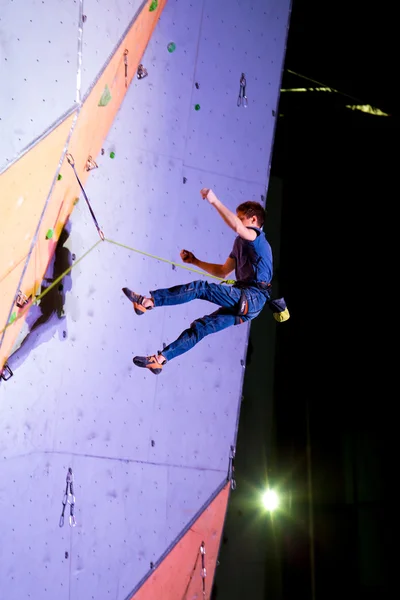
(178, 576)
(24, 189)
(27, 184)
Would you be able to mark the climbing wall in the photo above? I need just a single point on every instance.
(147, 453)
(49, 64)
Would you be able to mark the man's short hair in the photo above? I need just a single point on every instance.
(252, 209)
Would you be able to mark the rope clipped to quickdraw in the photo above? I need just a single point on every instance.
(203, 566)
(71, 161)
(33, 299)
(202, 553)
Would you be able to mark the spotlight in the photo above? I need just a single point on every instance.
(270, 500)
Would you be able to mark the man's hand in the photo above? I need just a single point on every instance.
(187, 257)
(208, 194)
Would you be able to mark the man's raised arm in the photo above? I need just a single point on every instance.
(228, 216)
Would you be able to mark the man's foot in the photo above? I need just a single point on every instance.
(140, 303)
(153, 363)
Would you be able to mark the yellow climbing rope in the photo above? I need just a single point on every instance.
(76, 262)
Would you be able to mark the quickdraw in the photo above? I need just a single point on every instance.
(202, 553)
(242, 98)
(69, 498)
(71, 161)
(203, 567)
(231, 469)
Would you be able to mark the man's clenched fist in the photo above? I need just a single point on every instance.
(187, 257)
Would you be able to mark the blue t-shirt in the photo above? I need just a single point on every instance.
(253, 260)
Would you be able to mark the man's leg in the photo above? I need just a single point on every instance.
(220, 319)
(223, 295)
(217, 321)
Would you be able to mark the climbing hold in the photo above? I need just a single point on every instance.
(141, 72)
(197, 107)
(91, 164)
(59, 177)
(171, 47)
(105, 97)
(102, 151)
(12, 318)
(184, 180)
(153, 5)
(153, 443)
(197, 85)
(49, 234)
(76, 201)
(112, 154)
(84, 18)
(22, 300)
(6, 373)
(73, 256)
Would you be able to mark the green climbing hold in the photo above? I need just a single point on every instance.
(59, 177)
(153, 5)
(76, 201)
(171, 47)
(12, 318)
(197, 107)
(49, 234)
(105, 97)
(112, 154)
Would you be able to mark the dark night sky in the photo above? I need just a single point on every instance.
(338, 169)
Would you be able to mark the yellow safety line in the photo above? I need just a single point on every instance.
(76, 262)
(170, 262)
(50, 287)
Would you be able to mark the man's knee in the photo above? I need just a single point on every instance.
(198, 323)
(201, 327)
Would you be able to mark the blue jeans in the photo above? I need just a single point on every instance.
(226, 296)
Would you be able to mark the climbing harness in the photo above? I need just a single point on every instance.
(242, 98)
(71, 161)
(69, 498)
(243, 304)
(231, 469)
(278, 306)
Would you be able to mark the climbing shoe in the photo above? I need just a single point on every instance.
(136, 300)
(149, 362)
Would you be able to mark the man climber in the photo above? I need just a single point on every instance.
(251, 258)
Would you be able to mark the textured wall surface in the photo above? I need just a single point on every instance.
(38, 193)
(146, 452)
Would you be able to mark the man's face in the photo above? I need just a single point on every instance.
(247, 222)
